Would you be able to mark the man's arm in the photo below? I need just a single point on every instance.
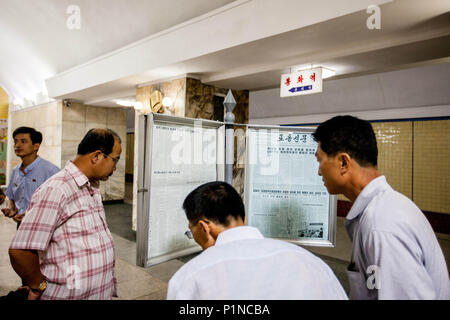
(397, 268)
(26, 265)
(38, 227)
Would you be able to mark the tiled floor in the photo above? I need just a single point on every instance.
(135, 283)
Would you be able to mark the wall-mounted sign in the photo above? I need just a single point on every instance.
(301, 82)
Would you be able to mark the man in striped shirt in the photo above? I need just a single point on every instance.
(64, 249)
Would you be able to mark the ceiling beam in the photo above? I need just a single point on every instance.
(237, 23)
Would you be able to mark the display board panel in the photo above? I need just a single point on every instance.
(285, 197)
(182, 154)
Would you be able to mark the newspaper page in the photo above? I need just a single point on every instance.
(287, 198)
(182, 158)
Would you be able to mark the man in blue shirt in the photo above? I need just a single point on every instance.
(27, 176)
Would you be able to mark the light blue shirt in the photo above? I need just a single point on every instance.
(395, 250)
(22, 186)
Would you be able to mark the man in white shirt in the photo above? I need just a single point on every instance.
(395, 252)
(238, 262)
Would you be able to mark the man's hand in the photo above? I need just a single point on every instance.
(8, 212)
(18, 217)
(31, 294)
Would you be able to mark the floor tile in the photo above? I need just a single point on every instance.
(133, 289)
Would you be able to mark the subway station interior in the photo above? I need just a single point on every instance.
(69, 66)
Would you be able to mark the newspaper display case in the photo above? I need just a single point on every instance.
(285, 198)
(179, 155)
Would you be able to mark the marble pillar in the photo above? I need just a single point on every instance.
(199, 104)
(193, 99)
(174, 89)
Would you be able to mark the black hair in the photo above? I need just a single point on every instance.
(216, 201)
(35, 136)
(98, 139)
(351, 135)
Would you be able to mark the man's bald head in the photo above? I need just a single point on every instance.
(98, 139)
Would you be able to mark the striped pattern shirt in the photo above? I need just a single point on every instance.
(66, 224)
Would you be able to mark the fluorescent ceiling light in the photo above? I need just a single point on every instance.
(124, 103)
(137, 105)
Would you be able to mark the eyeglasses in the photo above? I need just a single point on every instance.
(189, 234)
(114, 159)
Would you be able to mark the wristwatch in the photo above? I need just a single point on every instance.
(41, 288)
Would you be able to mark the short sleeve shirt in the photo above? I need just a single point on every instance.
(22, 185)
(66, 223)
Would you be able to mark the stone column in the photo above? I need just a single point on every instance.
(199, 104)
(176, 90)
(193, 99)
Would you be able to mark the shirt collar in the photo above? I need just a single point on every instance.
(238, 233)
(370, 190)
(76, 174)
(32, 165)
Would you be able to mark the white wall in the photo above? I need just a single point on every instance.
(416, 92)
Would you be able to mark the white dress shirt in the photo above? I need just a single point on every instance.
(392, 237)
(245, 265)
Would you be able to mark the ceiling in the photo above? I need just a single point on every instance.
(35, 42)
(118, 46)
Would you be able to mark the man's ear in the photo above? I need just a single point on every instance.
(344, 162)
(36, 146)
(205, 226)
(95, 156)
(209, 234)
